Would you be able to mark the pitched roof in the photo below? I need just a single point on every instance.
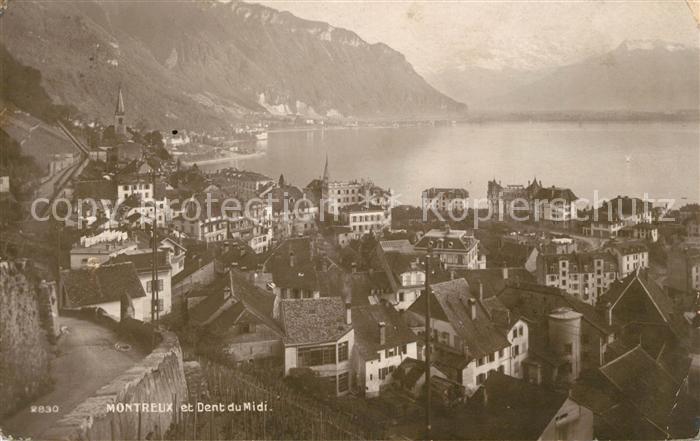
(446, 239)
(535, 302)
(513, 409)
(258, 302)
(639, 282)
(106, 283)
(550, 193)
(644, 384)
(311, 321)
(452, 301)
(366, 320)
(143, 262)
(295, 264)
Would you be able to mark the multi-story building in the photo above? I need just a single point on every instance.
(364, 219)
(512, 200)
(207, 220)
(242, 184)
(554, 204)
(454, 200)
(536, 302)
(684, 270)
(586, 276)
(404, 269)
(630, 256)
(92, 251)
(383, 341)
(472, 336)
(615, 217)
(455, 248)
(143, 262)
(318, 335)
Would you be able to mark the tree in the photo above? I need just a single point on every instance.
(109, 136)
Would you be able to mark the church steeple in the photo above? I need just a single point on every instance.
(119, 114)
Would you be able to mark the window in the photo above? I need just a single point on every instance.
(390, 352)
(480, 379)
(343, 351)
(515, 333)
(480, 362)
(500, 353)
(404, 349)
(516, 350)
(491, 358)
(520, 331)
(343, 382)
(383, 372)
(501, 369)
(568, 348)
(316, 356)
(149, 285)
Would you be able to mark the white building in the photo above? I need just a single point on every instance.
(472, 336)
(405, 271)
(143, 263)
(318, 334)
(116, 289)
(364, 219)
(382, 342)
(456, 248)
(630, 256)
(97, 249)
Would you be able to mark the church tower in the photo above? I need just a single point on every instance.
(119, 115)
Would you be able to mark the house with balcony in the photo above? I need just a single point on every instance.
(318, 335)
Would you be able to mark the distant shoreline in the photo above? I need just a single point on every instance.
(233, 157)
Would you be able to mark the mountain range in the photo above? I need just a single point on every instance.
(205, 64)
(652, 76)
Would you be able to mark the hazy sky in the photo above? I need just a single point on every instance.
(495, 34)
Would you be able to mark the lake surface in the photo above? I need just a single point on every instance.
(661, 159)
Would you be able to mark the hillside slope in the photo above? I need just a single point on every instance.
(202, 64)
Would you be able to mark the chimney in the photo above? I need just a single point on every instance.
(354, 267)
(348, 313)
(608, 313)
(481, 290)
(382, 333)
(292, 259)
(505, 273)
(472, 308)
(452, 275)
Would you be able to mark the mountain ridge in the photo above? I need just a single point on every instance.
(637, 75)
(204, 64)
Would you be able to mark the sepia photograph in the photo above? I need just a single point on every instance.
(349, 220)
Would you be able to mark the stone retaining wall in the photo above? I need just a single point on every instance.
(159, 378)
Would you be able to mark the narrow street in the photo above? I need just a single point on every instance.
(87, 360)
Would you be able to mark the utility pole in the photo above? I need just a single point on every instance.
(155, 312)
(428, 331)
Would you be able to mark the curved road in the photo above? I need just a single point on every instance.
(86, 360)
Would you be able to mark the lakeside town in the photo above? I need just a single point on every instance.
(315, 298)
